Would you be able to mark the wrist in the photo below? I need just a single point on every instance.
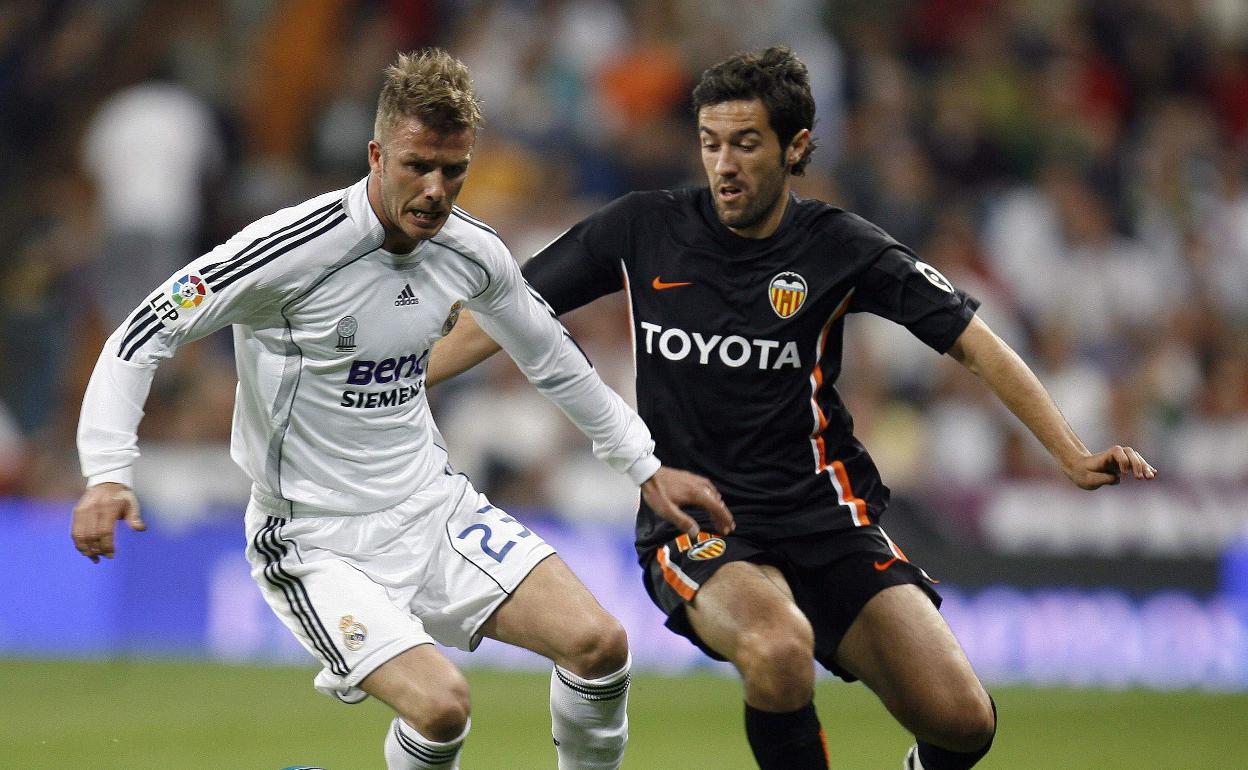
(122, 476)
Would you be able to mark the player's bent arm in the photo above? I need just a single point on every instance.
(466, 346)
(107, 445)
(989, 358)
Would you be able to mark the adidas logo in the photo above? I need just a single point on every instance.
(406, 297)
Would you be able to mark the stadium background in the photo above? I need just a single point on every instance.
(1080, 165)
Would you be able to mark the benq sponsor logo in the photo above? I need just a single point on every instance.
(388, 370)
(365, 372)
(734, 350)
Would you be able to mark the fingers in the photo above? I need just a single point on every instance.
(88, 537)
(134, 519)
(670, 488)
(1130, 462)
(95, 518)
(659, 502)
(679, 519)
(720, 515)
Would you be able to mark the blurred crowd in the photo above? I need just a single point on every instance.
(1081, 166)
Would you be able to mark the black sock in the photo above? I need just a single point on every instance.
(936, 758)
(789, 740)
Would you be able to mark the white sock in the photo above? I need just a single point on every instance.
(589, 719)
(407, 749)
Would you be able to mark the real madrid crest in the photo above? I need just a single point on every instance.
(353, 633)
(787, 293)
(452, 318)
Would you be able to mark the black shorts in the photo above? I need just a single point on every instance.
(832, 574)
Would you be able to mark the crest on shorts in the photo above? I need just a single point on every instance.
(452, 318)
(708, 549)
(787, 293)
(353, 633)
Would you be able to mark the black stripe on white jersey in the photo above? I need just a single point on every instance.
(470, 219)
(426, 754)
(143, 326)
(236, 268)
(289, 247)
(247, 250)
(269, 543)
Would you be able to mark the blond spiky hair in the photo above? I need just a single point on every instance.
(431, 86)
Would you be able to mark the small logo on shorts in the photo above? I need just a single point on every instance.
(708, 549)
(353, 633)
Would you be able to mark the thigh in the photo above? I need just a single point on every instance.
(550, 610)
(835, 575)
(677, 573)
(413, 678)
(901, 647)
(744, 598)
(478, 558)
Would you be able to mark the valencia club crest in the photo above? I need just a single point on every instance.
(787, 293)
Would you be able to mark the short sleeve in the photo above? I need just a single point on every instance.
(584, 263)
(902, 288)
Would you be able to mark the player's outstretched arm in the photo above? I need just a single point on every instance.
(988, 357)
(670, 488)
(96, 515)
(466, 346)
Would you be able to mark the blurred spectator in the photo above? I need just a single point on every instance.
(151, 149)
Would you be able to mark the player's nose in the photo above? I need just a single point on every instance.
(725, 164)
(435, 187)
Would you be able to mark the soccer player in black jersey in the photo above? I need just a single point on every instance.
(738, 293)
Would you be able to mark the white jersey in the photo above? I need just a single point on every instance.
(332, 337)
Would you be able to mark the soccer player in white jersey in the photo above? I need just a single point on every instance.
(361, 538)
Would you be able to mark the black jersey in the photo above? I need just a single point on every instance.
(738, 342)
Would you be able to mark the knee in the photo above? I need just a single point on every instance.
(777, 666)
(439, 715)
(967, 727)
(598, 649)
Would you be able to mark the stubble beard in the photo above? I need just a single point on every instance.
(755, 211)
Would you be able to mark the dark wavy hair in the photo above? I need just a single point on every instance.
(775, 77)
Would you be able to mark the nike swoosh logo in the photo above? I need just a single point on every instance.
(659, 284)
(880, 566)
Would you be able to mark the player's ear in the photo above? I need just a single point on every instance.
(374, 156)
(797, 148)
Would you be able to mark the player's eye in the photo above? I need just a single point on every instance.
(457, 170)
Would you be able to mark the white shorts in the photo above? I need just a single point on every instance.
(358, 590)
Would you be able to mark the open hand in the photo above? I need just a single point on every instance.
(670, 488)
(96, 515)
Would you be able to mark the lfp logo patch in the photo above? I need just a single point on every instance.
(708, 549)
(787, 293)
(189, 290)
